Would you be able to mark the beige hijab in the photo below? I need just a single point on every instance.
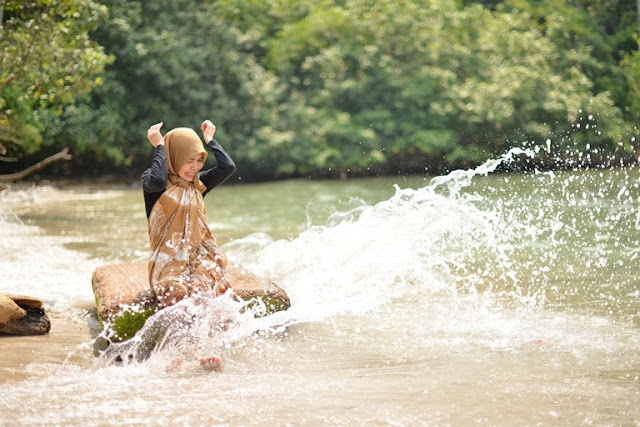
(185, 256)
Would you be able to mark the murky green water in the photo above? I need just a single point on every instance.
(507, 300)
(110, 222)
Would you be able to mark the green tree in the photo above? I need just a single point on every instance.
(47, 60)
(332, 87)
(631, 67)
(176, 62)
(406, 85)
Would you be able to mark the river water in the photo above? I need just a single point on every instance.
(472, 298)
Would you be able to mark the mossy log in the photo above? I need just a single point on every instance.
(124, 299)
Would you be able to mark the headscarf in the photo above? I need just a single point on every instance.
(185, 256)
(180, 145)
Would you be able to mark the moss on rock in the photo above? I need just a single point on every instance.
(124, 300)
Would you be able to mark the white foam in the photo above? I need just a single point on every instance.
(40, 266)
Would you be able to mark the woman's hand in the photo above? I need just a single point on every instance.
(154, 136)
(221, 288)
(208, 130)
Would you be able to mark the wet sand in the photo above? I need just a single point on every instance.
(69, 340)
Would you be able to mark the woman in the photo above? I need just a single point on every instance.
(185, 256)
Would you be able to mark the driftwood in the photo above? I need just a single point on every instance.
(124, 299)
(17, 176)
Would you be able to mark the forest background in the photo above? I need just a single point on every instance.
(320, 88)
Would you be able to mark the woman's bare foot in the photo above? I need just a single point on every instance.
(211, 363)
(175, 365)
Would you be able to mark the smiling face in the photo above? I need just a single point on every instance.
(192, 166)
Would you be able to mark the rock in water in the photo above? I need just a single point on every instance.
(9, 310)
(22, 315)
(124, 299)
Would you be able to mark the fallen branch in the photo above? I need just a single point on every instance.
(11, 177)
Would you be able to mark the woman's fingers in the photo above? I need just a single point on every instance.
(154, 135)
(207, 124)
(155, 127)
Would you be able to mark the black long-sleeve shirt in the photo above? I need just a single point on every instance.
(154, 179)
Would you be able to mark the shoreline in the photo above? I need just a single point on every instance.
(64, 183)
(70, 340)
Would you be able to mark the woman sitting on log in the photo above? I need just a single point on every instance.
(185, 256)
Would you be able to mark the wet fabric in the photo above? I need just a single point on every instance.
(186, 259)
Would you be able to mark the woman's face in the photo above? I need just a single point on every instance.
(189, 170)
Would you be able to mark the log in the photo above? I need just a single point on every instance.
(124, 299)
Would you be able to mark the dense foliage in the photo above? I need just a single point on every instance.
(323, 87)
(47, 60)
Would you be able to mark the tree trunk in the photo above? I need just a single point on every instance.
(11, 177)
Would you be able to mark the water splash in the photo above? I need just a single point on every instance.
(39, 265)
(470, 244)
(196, 327)
(458, 179)
(468, 295)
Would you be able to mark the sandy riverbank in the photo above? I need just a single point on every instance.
(70, 340)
